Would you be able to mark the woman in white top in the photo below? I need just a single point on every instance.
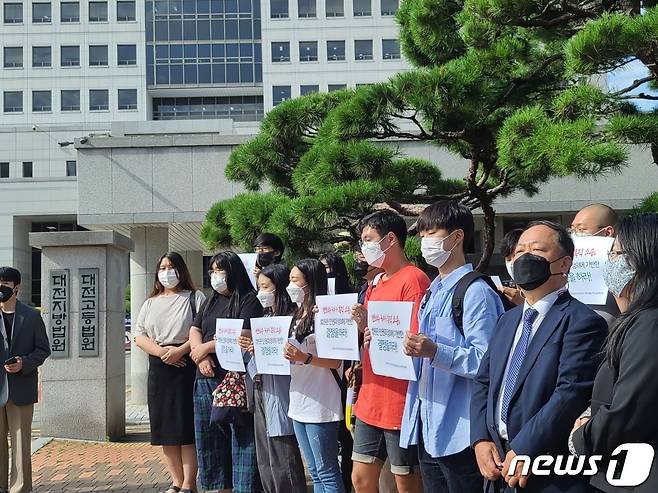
(162, 330)
(315, 395)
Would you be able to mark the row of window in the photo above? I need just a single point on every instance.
(68, 12)
(308, 50)
(42, 101)
(238, 108)
(279, 9)
(69, 56)
(27, 170)
(284, 93)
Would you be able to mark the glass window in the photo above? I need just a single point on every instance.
(13, 13)
(98, 55)
(99, 100)
(335, 50)
(41, 56)
(125, 11)
(41, 13)
(362, 8)
(69, 12)
(71, 168)
(280, 94)
(41, 101)
(308, 51)
(13, 57)
(334, 8)
(281, 51)
(97, 11)
(4, 170)
(28, 169)
(306, 8)
(13, 101)
(336, 87)
(389, 7)
(390, 49)
(126, 55)
(127, 99)
(310, 89)
(279, 9)
(70, 100)
(363, 49)
(70, 56)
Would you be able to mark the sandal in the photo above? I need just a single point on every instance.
(172, 489)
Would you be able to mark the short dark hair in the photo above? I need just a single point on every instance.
(385, 222)
(270, 240)
(10, 274)
(563, 237)
(447, 214)
(508, 245)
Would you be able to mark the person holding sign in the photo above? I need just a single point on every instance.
(447, 356)
(315, 393)
(380, 403)
(279, 461)
(226, 447)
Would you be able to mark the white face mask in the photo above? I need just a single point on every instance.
(509, 265)
(218, 282)
(266, 298)
(296, 293)
(373, 253)
(168, 278)
(433, 252)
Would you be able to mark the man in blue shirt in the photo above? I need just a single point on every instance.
(436, 414)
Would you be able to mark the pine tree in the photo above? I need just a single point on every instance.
(508, 85)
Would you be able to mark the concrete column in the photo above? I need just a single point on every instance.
(194, 261)
(85, 274)
(150, 245)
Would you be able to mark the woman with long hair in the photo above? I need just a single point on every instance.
(623, 404)
(335, 268)
(315, 394)
(226, 452)
(279, 461)
(162, 330)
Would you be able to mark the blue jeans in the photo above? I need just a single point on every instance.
(319, 444)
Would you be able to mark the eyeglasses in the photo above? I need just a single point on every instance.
(613, 254)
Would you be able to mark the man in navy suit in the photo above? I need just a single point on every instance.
(536, 377)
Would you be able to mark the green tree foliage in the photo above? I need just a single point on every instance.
(510, 86)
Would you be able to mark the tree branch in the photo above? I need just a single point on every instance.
(636, 83)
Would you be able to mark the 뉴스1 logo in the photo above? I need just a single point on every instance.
(629, 465)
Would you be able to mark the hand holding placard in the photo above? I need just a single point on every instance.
(227, 349)
(388, 322)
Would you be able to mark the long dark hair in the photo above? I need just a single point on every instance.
(237, 281)
(279, 275)
(316, 280)
(181, 269)
(638, 237)
(338, 269)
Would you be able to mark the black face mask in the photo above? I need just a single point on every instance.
(265, 259)
(6, 293)
(360, 269)
(532, 271)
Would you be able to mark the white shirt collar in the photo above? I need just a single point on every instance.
(544, 305)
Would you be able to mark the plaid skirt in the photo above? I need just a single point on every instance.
(226, 454)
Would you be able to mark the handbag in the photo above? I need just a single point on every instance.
(229, 399)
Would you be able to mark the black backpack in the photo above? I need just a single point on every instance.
(460, 292)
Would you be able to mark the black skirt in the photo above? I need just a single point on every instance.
(170, 402)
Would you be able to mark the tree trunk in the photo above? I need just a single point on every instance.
(489, 235)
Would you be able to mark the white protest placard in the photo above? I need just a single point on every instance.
(336, 334)
(388, 322)
(270, 335)
(331, 285)
(586, 282)
(229, 354)
(249, 261)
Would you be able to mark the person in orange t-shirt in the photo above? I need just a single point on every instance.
(380, 404)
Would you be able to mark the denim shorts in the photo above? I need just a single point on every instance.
(376, 444)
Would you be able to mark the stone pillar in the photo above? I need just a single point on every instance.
(84, 276)
(194, 261)
(150, 245)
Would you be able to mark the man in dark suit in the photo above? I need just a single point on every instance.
(536, 377)
(23, 348)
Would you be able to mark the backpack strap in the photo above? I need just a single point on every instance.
(460, 292)
(193, 304)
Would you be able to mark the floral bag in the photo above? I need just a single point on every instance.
(229, 398)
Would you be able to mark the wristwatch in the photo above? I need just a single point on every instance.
(308, 360)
